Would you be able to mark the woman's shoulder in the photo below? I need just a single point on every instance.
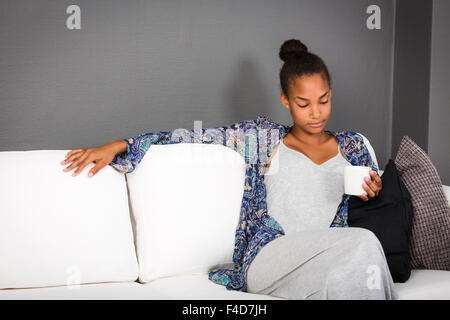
(357, 142)
(264, 122)
(352, 140)
(349, 135)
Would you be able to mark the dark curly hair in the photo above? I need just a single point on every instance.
(298, 61)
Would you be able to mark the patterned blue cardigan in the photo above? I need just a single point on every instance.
(256, 227)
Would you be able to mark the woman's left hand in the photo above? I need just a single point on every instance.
(371, 186)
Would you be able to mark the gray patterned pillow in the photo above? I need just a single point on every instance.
(430, 237)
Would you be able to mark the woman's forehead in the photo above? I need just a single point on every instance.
(308, 87)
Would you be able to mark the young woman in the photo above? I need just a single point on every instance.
(289, 241)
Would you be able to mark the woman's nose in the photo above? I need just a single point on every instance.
(315, 112)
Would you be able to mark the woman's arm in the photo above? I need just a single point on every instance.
(252, 139)
(238, 136)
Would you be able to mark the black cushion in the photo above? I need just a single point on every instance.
(389, 217)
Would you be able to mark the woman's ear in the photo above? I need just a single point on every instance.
(284, 101)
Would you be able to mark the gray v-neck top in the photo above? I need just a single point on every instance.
(301, 194)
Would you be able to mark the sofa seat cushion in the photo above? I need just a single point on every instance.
(425, 285)
(199, 287)
(422, 285)
(88, 291)
(186, 287)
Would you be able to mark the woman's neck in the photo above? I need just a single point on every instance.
(302, 137)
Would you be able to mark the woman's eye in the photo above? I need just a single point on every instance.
(325, 102)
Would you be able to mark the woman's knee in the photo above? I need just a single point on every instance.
(364, 245)
(364, 236)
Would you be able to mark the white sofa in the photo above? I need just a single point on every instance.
(151, 234)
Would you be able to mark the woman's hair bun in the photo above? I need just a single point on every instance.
(292, 48)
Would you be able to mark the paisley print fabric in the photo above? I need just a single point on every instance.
(254, 140)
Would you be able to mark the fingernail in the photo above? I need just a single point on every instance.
(74, 174)
(90, 174)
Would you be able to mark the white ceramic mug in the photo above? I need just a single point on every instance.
(354, 178)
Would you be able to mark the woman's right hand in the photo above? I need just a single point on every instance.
(101, 156)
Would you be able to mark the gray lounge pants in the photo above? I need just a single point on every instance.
(334, 263)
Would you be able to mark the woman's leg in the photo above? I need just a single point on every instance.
(334, 263)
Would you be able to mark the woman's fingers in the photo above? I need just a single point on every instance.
(377, 182)
(96, 168)
(80, 158)
(73, 151)
(371, 185)
(71, 155)
(83, 164)
(363, 197)
(71, 160)
(376, 178)
(369, 191)
(76, 162)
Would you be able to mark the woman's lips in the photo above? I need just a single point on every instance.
(315, 125)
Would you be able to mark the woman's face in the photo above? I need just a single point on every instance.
(309, 102)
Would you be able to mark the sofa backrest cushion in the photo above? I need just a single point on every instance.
(186, 200)
(56, 229)
(447, 192)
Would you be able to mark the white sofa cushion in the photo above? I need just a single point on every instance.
(199, 287)
(422, 285)
(183, 287)
(56, 229)
(425, 285)
(186, 201)
(90, 291)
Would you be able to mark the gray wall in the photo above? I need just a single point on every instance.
(139, 66)
(439, 117)
(411, 72)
